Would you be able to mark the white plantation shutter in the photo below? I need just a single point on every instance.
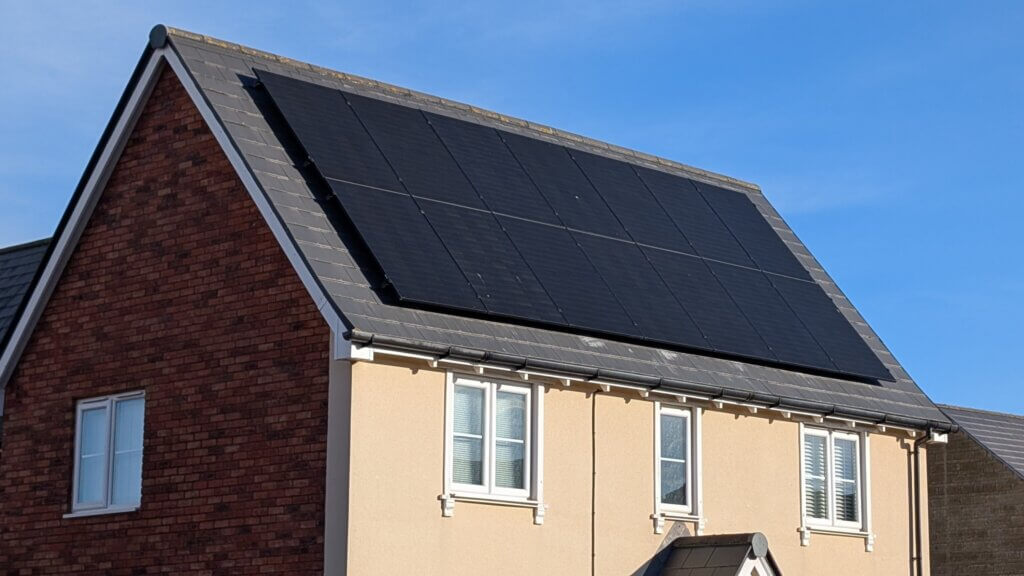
(92, 455)
(844, 449)
(815, 476)
(126, 488)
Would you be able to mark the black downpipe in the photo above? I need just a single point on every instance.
(593, 482)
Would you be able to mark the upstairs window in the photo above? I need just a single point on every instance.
(675, 458)
(491, 437)
(833, 479)
(108, 453)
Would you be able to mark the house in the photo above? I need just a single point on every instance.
(976, 495)
(299, 321)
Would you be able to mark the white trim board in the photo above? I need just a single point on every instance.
(96, 180)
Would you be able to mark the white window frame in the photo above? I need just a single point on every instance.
(692, 512)
(109, 403)
(531, 495)
(831, 524)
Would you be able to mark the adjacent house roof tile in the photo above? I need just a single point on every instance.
(1000, 434)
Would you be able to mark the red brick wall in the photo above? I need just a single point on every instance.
(178, 288)
(975, 511)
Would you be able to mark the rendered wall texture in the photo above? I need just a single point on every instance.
(597, 447)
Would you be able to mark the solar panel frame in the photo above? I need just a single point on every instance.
(588, 243)
(336, 143)
(563, 184)
(570, 279)
(414, 151)
(692, 215)
(414, 259)
(491, 263)
(641, 291)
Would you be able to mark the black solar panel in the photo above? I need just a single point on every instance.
(641, 291)
(770, 316)
(414, 151)
(333, 137)
(413, 258)
(502, 280)
(692, 215)
(572, 282)
(751, 230)
(634, 205)
(494, 172)
(492, 223)
(564, 186)
(717, 316)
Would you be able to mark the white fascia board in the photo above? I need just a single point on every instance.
(64, 245)
(97, 179)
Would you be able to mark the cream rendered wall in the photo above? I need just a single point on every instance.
(750, 474)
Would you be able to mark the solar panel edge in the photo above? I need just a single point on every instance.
(600, 198)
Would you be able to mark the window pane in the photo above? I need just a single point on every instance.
(846, 459)
(127, 470)
(92, 461)
(469, 410)
(814, 455)
(511, 416)
(846, 501)
(817, 500)
(673, 482)
(508, 464)
(468, 460)
(673, 437)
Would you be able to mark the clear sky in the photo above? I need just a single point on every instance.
(888, 134)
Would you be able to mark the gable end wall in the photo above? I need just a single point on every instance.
(976, 511)
(177, 287)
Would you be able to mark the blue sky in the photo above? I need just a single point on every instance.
(886, 133)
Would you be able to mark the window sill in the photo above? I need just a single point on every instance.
(448, 503)
(100, 512)
(660, 518)
(807, 530)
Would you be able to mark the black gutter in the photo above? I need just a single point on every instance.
(362, 338)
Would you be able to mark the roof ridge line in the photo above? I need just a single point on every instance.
(979, 410)
(456, 105)
(25, 245)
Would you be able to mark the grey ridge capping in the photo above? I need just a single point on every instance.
(1001, 434)
(720, 555)
(18, 267)
(224, 73)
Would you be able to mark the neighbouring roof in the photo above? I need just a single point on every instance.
(720, 555)
(18, 266)
(225, 75)
(1001, 434)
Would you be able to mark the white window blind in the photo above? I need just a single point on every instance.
(490, 437)
(815, 476)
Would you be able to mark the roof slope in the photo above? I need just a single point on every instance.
(1001, 434)
(224, 73)
(18, 266)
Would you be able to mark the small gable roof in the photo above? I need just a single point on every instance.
(718, 555)
(1001, 434)
(18, 267)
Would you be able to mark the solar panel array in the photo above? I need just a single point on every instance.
(467, 217)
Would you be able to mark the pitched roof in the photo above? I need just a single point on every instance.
(1001, 434)
(18, 266)
(719, 555)
(225, 77)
